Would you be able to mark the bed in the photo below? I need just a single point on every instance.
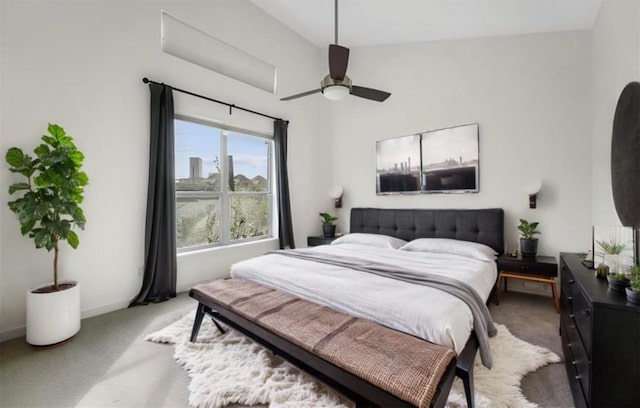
(421, 311)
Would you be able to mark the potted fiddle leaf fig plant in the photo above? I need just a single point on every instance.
(48, 207)
(328, 224)
(633, 291)
(528, 242)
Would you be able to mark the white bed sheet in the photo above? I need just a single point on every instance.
(419, 310)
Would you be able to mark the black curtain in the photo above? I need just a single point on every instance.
(285, 225)
(159, 282)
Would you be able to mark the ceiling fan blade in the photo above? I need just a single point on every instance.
(300, 95)
(369, 93)
(338, 61)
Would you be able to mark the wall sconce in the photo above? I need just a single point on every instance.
(532, 189)
(336, 194)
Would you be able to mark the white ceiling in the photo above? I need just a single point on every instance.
(376, 22)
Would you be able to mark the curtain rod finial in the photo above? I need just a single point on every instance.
(145, 80)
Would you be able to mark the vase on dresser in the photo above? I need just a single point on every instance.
(613, 260)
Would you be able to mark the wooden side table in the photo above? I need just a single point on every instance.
(320, 240)
(542, 269)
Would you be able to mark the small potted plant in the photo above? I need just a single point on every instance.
(328, 224)
(528, 244)
(633, 291)
(48, 207)
(612, 249)
(617, 281)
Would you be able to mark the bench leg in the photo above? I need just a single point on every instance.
(220, 329)
(467, 381)
(197, 322)
(468, 389)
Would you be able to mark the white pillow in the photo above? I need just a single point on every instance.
(376, 240)
(469, 249)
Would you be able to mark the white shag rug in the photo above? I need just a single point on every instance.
(230, 368)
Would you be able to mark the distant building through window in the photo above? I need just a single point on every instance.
(223, 185)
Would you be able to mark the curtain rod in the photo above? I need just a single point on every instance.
(230, 105)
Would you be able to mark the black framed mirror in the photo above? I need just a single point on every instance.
(625, 158)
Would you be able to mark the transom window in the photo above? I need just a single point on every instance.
(223, 185)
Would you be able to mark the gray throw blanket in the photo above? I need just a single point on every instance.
(482, 322)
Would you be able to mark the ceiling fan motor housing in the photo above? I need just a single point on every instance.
(327, 81)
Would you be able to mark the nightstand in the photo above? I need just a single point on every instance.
(542, 269)
(320, 240)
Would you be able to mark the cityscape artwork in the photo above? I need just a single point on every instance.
(398, 164)
(438, 161)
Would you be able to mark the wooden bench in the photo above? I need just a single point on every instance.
(368, 363)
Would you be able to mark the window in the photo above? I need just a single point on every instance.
(223, 185)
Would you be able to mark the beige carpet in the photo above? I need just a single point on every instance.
(228, 369)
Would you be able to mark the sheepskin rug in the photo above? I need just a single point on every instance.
(231, 369)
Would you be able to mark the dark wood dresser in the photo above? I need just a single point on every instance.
(600, 339)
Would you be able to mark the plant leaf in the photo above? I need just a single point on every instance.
(27, 227)
(42, 150)
(82, 178)
(72, 239)
(15, 157)
(18, 186)
(55, 131)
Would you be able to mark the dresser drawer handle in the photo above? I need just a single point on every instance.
(586, 312)
(570, 298)
(573, 362)
(577, 377)
(572, 316)
(571, 281)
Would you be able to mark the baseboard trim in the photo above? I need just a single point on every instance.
(112, 307)
(11, 334)
(21, 331)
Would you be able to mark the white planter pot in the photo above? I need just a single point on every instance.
(53, 317)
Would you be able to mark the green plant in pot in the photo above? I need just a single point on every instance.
(617, 281)
(612, 249)
(328, 224)
(48, 207)
(528, 242)
(633, 290)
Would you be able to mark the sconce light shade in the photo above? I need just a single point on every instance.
(336, 193)
(532, 190)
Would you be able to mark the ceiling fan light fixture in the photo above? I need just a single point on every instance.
(337, 85)
(335, 92)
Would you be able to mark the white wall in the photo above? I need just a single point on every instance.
(616, 62)
(531, 96)
(80, 64)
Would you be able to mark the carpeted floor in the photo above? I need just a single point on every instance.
(109, 364)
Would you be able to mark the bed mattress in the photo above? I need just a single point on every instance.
(424, 312)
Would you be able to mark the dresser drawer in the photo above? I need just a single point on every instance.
(579, 359)
(567, 283)
(581, 312)
(574, 378)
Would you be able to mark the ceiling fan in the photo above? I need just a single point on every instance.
(337, 84)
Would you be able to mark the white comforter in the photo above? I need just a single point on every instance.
(419, 310)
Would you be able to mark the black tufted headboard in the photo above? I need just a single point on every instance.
(485, 226)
